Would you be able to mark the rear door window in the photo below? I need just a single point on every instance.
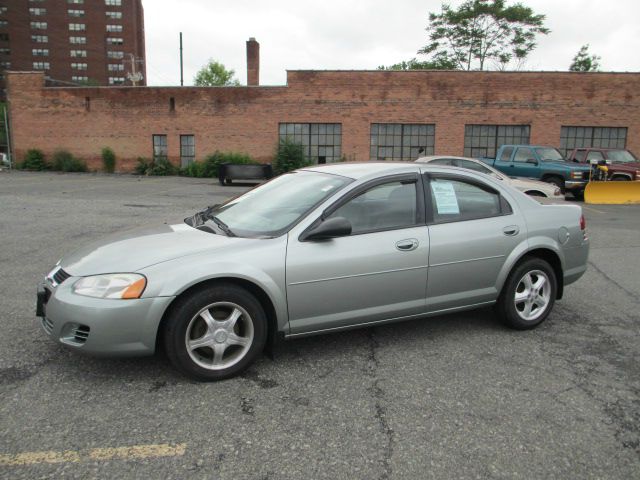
(524, 154)
(455, 199)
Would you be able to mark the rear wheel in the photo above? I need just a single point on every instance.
(215, 333)
(528, 294)
(620, 178)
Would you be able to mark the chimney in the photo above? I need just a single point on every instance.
(253, 62)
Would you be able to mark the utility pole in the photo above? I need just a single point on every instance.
(181, 76)
(134, 75)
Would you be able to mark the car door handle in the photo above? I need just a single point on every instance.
(407, 245)
(511, 230)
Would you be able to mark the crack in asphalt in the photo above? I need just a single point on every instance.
(623, 413)
(381, 410)
(607, 277)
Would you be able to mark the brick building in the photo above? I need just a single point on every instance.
(357, 115)
(93, 42)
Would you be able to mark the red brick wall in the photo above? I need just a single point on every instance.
(245, 119)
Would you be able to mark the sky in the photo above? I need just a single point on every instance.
(360, 34)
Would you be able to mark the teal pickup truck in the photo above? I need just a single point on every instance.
(542, 163)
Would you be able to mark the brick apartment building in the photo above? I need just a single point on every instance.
(93, 42)
(354, 115)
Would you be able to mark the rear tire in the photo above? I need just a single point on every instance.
(528, 295)
(215, 333)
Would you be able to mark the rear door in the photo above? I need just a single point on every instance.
(472, 231)
(378, 272)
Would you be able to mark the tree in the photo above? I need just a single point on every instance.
(414, 64)
(214, 74)
(583, 62)
(483, 30)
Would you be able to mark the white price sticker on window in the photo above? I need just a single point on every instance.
(446, 200)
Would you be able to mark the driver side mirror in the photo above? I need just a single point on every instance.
(532, 161)
(327, 229)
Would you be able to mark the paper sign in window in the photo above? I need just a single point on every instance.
(446, 200)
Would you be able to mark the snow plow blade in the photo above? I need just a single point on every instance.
(616, 193)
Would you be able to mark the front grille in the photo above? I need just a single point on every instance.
(81, 333)
(47, 325)
(60, 276)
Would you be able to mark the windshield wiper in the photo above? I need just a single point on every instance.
(221, 225)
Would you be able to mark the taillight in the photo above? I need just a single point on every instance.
(583, 223)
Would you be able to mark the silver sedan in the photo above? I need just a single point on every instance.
(317, 250)
(530, 186)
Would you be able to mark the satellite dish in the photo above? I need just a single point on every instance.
(134, 77)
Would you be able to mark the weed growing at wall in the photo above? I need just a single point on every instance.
(108, 160)
(64, 161)
(33, 160)
(208, 168)
(289, 156)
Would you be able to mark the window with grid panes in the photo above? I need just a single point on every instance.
(160, 150)
(485, 140)
(187, 149)
(401, 141)
(322, 142)
(602, 137)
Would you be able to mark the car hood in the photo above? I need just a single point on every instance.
(136, 249)
(571, 165)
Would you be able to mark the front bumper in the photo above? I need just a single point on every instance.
(100, 326)
(575, 185)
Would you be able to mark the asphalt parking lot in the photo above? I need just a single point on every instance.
(457, 396)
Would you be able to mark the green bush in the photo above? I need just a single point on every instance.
(142, 166)
(162, 167)
(194, 169)
(64, 161)
(208, 168)
(289, 156)
(33, 160)
(108, 160)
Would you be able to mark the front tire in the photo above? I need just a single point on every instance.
(215, 333)
(528, 294)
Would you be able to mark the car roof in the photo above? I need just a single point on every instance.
(358, 170)
(431, 158)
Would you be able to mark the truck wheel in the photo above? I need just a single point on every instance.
(215, 333)
(557, 181)
(620, 178)
(528, 295)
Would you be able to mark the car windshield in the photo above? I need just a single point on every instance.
(548, 154)
(271, 209)
(621, 156)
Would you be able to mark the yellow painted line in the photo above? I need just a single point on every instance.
(95, 454)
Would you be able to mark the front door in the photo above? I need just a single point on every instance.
(378, 272)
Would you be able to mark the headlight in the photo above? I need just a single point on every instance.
(576, 174)
(112, 285)
(557, 192)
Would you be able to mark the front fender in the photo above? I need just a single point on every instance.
(176, 276)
